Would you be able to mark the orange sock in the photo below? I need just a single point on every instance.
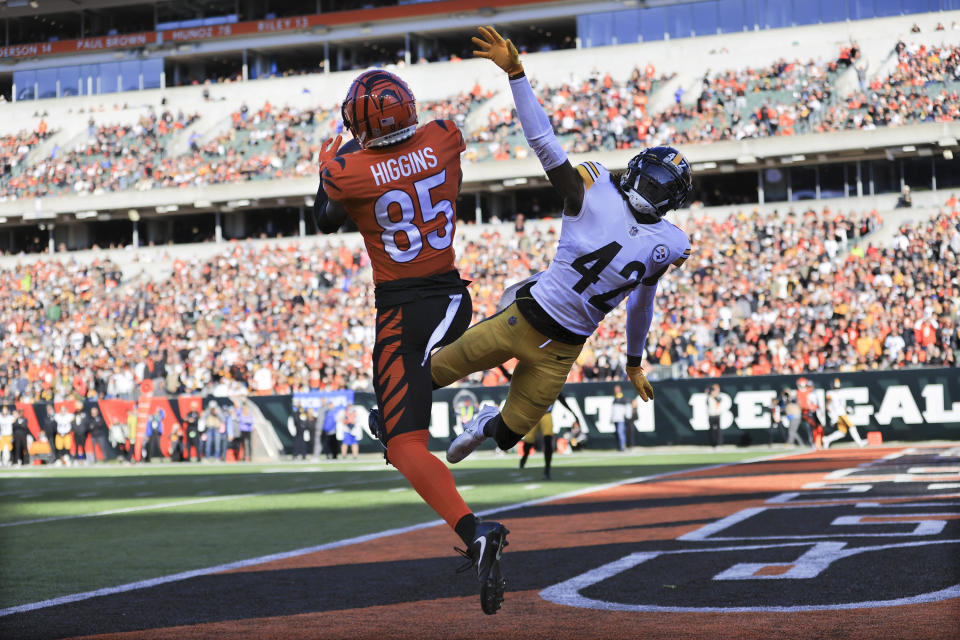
(427, 475)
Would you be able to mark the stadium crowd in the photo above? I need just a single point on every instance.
(922, 87)
(761, 294)
(15, 148)
(597, 112)
(247, 321)
(113, 157)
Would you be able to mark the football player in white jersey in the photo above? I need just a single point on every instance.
(614, 245)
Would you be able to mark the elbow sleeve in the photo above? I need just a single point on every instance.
(639, 318)
(536, 125)
(324, 224)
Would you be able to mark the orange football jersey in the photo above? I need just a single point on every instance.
(403, 200)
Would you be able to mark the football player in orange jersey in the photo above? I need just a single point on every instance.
(399, 185)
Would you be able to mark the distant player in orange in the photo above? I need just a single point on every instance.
(399, 186)
(809, 407)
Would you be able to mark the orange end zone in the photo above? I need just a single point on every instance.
(645, 515)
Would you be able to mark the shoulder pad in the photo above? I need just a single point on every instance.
(449, 130)
(590, 172)
(331, 176)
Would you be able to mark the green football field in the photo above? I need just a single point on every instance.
(72, 530)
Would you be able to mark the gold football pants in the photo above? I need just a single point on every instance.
(544, 428)
(543, 364)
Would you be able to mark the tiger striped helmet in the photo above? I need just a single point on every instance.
(379, 109)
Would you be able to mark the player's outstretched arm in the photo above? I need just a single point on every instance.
(536, 125)
(639, 318)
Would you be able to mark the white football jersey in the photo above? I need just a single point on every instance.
(6, 424)
(603, 254)
(64, 423)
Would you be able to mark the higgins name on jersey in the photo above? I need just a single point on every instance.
(404, 165)
(406, 212)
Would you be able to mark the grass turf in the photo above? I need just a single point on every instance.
(70, 530)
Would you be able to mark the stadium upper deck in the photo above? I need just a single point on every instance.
(274, 174)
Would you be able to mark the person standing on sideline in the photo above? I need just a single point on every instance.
(231, 427)
(176, 438)
(20, 431)
(349, 440)
(215, 431)
(316, 435)
(6, 435)
(132, 427)
(776, 417)
(81, 429)
(300, 419)
(99, 435)
(330, 442)
(312, 439)
(63, 440)
(152, 435)
(399, 184)
(245, 425)
(545, 429)
(620, 414)
(791, 415)
(714, 411)
(201, 433)
(118, 439)
(809, 408)
(191, 428)
(48, 424)
(320, 422)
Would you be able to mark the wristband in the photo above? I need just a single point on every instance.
(634, 361)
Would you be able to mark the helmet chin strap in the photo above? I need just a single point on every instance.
(391, 138)
(640, 204)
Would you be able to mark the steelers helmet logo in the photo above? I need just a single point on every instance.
(660, 253)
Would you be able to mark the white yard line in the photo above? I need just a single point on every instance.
(182, 503)
(186, 575)
(111, 512)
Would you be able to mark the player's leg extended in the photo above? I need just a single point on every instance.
(536, 383)
(483, 346)
(534, 387)
(852, 430)
(832, 437)
(404, 397)
(406, 419)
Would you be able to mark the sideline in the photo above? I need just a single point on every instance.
(199, 500)
(240, 564)
(269, 470)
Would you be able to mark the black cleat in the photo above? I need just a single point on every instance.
(484, 556)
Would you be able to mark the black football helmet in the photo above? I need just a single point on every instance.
(657, 180)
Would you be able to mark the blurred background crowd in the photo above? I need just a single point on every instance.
(802, 291)
(270, 141)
